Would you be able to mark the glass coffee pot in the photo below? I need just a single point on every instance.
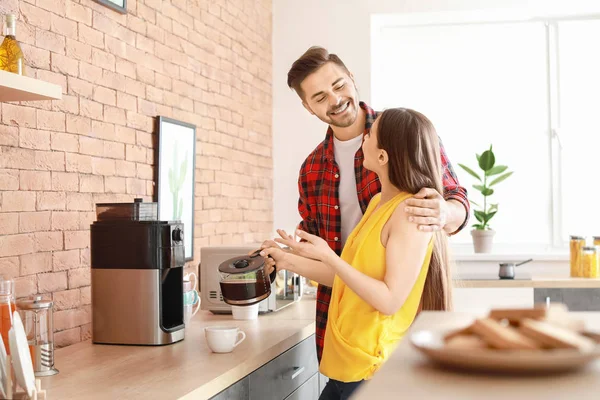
(244, 281)
(7, 307)
(37, 317)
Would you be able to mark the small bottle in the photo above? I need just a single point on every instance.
(11, 56)
(576, 244)
(589, 261)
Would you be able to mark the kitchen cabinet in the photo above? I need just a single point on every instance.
(576, 299)
(292, 375)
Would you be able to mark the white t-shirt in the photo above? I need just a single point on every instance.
(349, 207)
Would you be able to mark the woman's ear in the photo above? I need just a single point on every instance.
(382, 157)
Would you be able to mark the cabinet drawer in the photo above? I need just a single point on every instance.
(283, 375)
(237, 391)
(308, 391)
(576, 299)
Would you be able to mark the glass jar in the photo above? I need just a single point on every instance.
(37, 317)
(596, 240)
(7, 307)
(575, 246)
(590, 258)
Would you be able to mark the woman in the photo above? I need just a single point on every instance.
(389, 269)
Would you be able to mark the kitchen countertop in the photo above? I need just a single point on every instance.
(534, 282)
(187, 369)
(409, 374)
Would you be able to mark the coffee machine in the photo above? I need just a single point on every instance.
(137, 275)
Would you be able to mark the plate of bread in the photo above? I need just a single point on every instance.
(544, 339)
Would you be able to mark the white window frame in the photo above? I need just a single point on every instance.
(558, 245)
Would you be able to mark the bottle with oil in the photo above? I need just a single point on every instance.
(11, 56)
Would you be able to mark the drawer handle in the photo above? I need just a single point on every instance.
(293, 374)
(548, 302)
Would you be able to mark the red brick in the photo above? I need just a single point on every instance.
(53, 77)
(69, 319)
(114, 150)
(126, 101)
(90, 73)
(56, 6)
(78, 51)
(18, 115)
(90, 109)
(65, 221)
(18, 201)
(52, 282)
(86, 295)
(139, 121)
(34, 221)
(103, 130)
(65, 181)
(47, 241)
(9, 266)
(136, 186)
(67, 338)
(144, 44)
(126, 35)
(113, 184)
(51, 120)
(114, 115)
(50, 160)
(64, 141)
(34, 16)
(9, 222)
(115, 46)
(64, 64)
(9, 135)
(78, 13)
(63, 26)
(9, 179)
(79, 125)
(51, 201)
(91, 146)
(147, 13)
(79, 87)
(145, 139)
(79, 202)
(77, 240)
(86, 219)
(150, 189)
(36, 263)
(145, 171)
(126, 168)
(125, 135)
(153, 94)
(135, 153)
(91, 36)
(146, 107)
(16, 245)
(36, 57)
(85, 257)
(35, 180)
(113, 80)
(156, 33)
(91, 184)
(25, 32)
(50, 41)
(134, 87)
(86, 330)
(126, 68)
(78, 163)
(145, 75)
(66, 299)
(103, 166)
(26, 286)
(79, 277)
(103, 59)
(68, 104)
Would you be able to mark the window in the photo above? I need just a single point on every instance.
(488, 83)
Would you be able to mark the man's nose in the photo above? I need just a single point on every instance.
(335, 100)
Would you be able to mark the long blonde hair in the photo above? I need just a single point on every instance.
(413, 148)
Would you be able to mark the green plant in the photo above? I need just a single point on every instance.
(176, 182)
(486, 162)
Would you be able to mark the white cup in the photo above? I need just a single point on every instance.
(245, 312)
(223, 339)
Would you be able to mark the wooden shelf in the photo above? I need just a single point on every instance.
(15, 87)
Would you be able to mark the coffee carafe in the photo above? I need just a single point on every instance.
(37, 317)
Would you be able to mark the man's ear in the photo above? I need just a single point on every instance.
(383, 157)
(307, 108)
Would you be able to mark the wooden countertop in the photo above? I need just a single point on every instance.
(534, 282)
(408, 373)
(187, 369)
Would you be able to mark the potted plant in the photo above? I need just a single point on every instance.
(482, 232)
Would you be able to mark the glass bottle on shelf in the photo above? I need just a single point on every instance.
(589, 261)
(11, 56)
(576, 244)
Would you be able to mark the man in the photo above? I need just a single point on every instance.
(335, 188)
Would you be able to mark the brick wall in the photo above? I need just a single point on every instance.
(205, 62)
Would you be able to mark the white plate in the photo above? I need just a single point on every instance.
(21, 357)
(3, 372)
(431, 343)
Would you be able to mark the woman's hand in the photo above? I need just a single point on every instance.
(314, 247)
(274, 256)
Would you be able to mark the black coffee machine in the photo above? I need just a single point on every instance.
(137, 275)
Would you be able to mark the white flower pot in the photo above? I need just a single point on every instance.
(483, 240)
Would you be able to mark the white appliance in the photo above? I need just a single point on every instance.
(285, 290)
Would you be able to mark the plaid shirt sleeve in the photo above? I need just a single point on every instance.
(452, 188)
(308, 215)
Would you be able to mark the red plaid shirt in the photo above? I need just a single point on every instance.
(318, 203)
